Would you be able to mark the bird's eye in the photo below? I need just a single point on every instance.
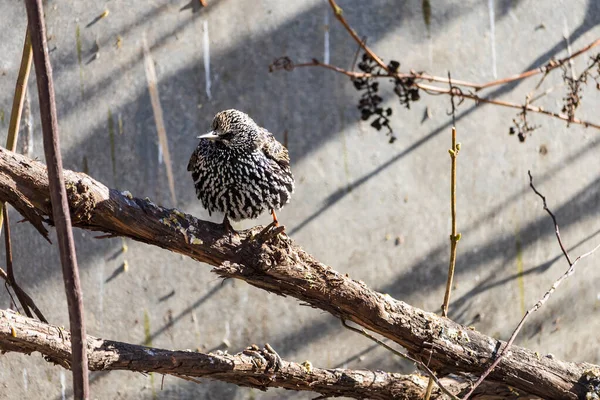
(215, 125)
(227, 135)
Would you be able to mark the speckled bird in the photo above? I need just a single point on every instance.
(240, 169)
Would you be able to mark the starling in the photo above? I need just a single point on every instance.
(240, 169)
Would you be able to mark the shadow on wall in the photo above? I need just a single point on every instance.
(136, 158)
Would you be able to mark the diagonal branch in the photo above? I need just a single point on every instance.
(545, 69)
(546, 296)
(282, 267)
(286, 64)
(26, 301)
(254, 367)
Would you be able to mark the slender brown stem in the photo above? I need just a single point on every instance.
(432, 377)
(546, 296)
(9, 276)
(19, 97)
(429, 389)
(438, 90)
(528, 107)
(58, 196)
(454, 236)
(10, 272)
(18, 100)
(541, 70)
(399, 75)
(338, 12)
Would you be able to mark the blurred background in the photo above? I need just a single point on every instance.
(379, 212)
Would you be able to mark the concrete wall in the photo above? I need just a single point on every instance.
(355, 192)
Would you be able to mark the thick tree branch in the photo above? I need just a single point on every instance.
(281, 267)
(254, 367)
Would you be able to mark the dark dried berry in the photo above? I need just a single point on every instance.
(393, 66)
(358, 84)
(414, 95)
(388, 112)
(376, 124)
(512, 130)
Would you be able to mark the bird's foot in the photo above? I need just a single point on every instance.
(274, 360)
(266, 358)
(229, 229)
(275, 221)
(270, 231)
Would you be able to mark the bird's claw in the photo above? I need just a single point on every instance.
(274, 360)
(270, 231)
(266, 358)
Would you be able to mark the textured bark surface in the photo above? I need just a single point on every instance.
(282, 267)
(252, 368)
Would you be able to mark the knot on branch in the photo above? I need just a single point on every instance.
(81, 201)
(264, 359)
(282, 63)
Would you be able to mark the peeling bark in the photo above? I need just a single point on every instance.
(251, 368)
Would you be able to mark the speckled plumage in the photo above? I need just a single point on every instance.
(242, 170)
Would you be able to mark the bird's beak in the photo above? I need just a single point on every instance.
(210, 135)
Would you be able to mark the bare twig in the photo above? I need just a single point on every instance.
(18, 100)
(4, 276)
(58, 195)
(10, 273)
(338, 12)
(19, 97)
(478, 99)
(432, 377)
(454, 235)
(546, 296)
(541, 70)
(415, 78)
(286, 64)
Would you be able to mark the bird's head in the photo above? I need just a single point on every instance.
(235, 130)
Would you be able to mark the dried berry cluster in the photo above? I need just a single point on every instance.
(575, 85)
(406, 90)
(521, 127)
(370, 101)
(572, 100)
